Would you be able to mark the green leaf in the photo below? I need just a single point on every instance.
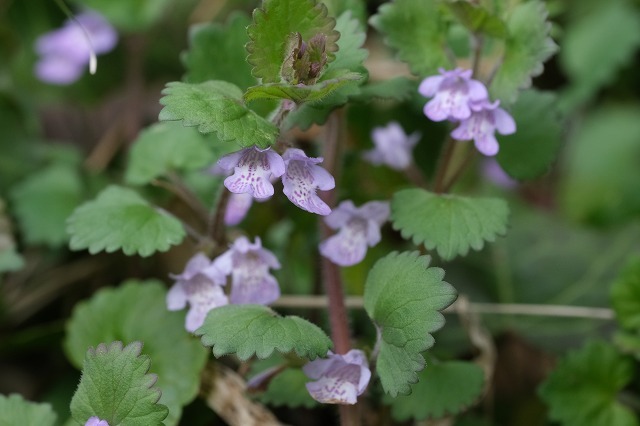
(529, 152)
(417, 30)
(130, 16)
(43, 202)
(288, 389)
(216, 106)
(350, 55)
(15, 411)
(136, 311)
(119, 219)
(254, 329)
(10, 260)
(583, 388)
(357, 8)
(449, 223)
(403, 297)
(272, 26)
(439, 391)
(625, 295)
(216, 52)
(526, 48)
(166, 147)
(300, 93)
(477, 19)
(115, 387)
(397, 89)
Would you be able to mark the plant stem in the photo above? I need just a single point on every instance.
(458, 173)
(216, 221)
(415, 175)
(477, 42)
(443, 165)
(177, 188)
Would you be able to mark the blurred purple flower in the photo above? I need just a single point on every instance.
(492, 171)
(200, 286)
(65, 52)
(359, 229)
(237, 208)
(253, 169)
(301, 179)
(340, 379)
(452, 91)
(392, 146)
(95, 421)
(249, 264)
(485, 120)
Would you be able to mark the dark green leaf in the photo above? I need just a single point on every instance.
(300, 93)
(477, 19)
(15, 411)
(625, 295)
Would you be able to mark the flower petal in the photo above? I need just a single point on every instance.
(430, 85)
(237, 208)
(176, 297)
(332, 390)
(487, 144)
(505, 124)
(349, 246)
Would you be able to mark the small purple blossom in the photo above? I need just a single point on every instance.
(66, 52)
(200, 286)
(237, 208)
(359, 229)
(392, 146)
(249, 264)
(485, 120)
(253, 169)
(301, 179)
(492, 171)
(340, 379)
(452, 91)
(95, 421)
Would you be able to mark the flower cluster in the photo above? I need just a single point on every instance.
(95, 421)
(253, 171)
(460, 99)
(340, 379)
(392, 146)
(202, 280)
(65, 52)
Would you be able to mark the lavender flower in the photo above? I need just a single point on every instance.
(249, 264)
(392, 146)
(492, 171)
(452, 91)
(485, 119)
(359, 229)
(95, 421)
(301, 179)
(200, 285)
(237, 208)
(253, 168)
(340, 379)
(65, 52)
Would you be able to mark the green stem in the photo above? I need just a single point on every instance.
(443, 165)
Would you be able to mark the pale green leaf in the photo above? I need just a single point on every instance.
(246, 330)
(417, 30)
(131, 16)
(119, 219)
(350, 55)
(397, 89)
(527, 47)
(451, 224)
(115, 387)
(358, 8)
(15, 411)
(625, 295)
(166, 147)
(288, 389)
(529, 152)
(477, 19)
(300, 93)
(444, 388)
(272, 25)
(403, 297)
(137, 312)
(43, 202)
(216, 106)
(583, 388)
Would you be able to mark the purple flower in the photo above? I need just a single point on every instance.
(237, 208)
(249, 264)
(492, 171)
(253, 169)
(200, 285)
(359, 229)
(301, 179)
(95, 421)
(452, 92)
(485, 119)
(65, 52)
(392, 146)
(340, 379)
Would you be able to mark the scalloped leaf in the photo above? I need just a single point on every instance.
(590, 377)
(445, 388)
(117, 314)
(477, 19)
(403, 297)
(417, 30)
(246, 330)
(271, 27)
(527, 47)
(216, 106)
(216, 52)
(16, 411)
(115, 387)
(450, 224)
(120, 219)
(165, 147)
(625, 295)
(397, 89)
(56, 190)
